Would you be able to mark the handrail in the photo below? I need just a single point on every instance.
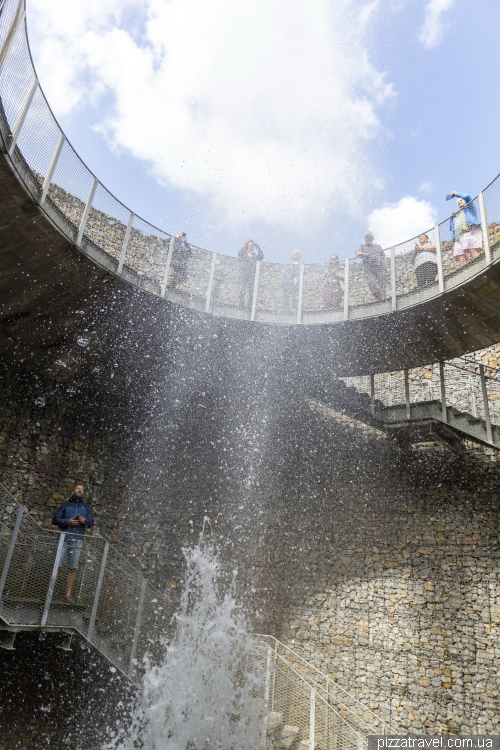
(308, 679)
(312, 712)
(115, 607)
(73, 199)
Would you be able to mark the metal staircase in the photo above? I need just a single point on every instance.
(466, 409)
(306, 710)
(115, 609)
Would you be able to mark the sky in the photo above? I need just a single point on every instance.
(300, 125)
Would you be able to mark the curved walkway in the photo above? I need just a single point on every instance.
(90, 217)
(455, 314)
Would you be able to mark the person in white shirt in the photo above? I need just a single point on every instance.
(424, 261)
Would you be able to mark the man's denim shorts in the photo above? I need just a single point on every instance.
(71, 551)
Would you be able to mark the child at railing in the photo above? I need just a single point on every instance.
(465, 228)
(424, 261)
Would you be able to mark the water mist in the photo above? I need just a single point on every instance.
(208, 691)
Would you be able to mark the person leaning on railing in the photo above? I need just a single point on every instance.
(465, 228)
(75, 516)
(375, 266)
(424, 261)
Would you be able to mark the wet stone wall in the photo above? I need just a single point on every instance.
(379, 566)
(388, 572)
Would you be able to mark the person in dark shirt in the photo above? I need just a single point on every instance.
(375, 266)
(75, 516)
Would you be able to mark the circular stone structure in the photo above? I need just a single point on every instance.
(455, 314)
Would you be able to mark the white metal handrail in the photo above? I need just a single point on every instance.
(82, 209)
(321, 718)
(115, 608)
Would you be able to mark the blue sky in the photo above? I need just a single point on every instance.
(299, 125)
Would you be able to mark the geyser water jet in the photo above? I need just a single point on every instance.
(208, 691)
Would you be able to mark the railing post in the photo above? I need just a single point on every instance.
(125, 244)
(167, 267)
(85, 215)
(18, 19)
(255, 290)
(16, 130)
(312, 719)
(393, 277)
(372, 393)
(97, 594)
(299, 299)
(210, 282)
(273, 692)
(444, 410)
(472, 397)
(346, 289)
(53, 577)
(267, 684)
(484, 224)
(137, 627)
(51, 170)
(439, 258)
(407, 395)
(486, 404)
(10, 551)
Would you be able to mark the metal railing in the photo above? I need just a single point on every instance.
(464, 383)
(113, 236)
(114, 608)
(325, 715)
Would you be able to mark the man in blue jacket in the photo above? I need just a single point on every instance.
(73, 516)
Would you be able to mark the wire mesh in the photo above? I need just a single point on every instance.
(367, 283)
(462, 242)
(16, 76)
(197, 273)
(38, 152)
(118, 618)
(107, 222)
(278, 287)
(232, 292)
(416, 267)
(305, 703)
(70, 186)
(225, 283)
(323, 287)
(492, 207)
(7, 15)
(147, 250)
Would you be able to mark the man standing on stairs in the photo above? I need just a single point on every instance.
(73, 516)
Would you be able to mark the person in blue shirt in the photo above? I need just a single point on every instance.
(465, 228)
(75, 516)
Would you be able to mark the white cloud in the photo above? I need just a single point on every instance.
(427, 186)
(396, 222)
(264, 110)
(431, 32)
